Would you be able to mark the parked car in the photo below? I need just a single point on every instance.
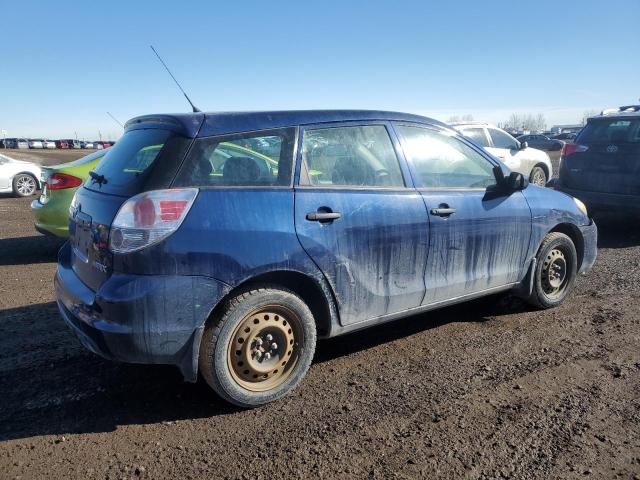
(18, 177)
(216, 262)
(60, 182)
(518, 156)
(565, 136)
(602, 167)
(88, 145)
(35, 143)
(62, 144)
(17, 143)
(71, 143)
(542, 142)
(48, 144)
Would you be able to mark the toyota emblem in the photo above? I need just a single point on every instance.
(612, 149)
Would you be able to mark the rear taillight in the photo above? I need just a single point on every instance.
(60, 181)
(571, 148)
(149, 218)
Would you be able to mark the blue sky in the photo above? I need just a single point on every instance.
(67, 63)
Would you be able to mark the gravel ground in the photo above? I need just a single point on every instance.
(488, 389)
(46, 157)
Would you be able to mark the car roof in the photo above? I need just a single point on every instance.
(625, 111)
(222, 123)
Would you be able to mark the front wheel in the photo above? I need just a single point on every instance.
(555, 272)
(259, 348)
(538, 176)
(24, 185)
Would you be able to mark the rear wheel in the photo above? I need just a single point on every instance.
(555, 272)
(24, 185)
(538, 176)
(259, 348)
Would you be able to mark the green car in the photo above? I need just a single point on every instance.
(60, 183)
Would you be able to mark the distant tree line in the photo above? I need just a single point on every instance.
(528, 121)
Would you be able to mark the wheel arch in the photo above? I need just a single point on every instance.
(32, 175)
(573, 232)
(544, 167)
(314, 292)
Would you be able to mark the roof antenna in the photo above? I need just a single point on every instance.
(115, 120)
(195, 109)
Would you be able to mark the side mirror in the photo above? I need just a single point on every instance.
(507, 185)
(516, 182)
(523, 145)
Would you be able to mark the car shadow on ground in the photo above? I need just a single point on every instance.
(27, 250)
(52, 386)
(618, 232)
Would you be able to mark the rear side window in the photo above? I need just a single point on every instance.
(611, 131)
(361, 156)
(502, 139)
(443, 161)
(251, 159)
(478, 136)
(129, 167)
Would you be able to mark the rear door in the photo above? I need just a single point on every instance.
(605, 157)
(477, 241)
(360, 219)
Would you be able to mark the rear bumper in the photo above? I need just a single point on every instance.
(52, 218)
(602, 201)
(138, 318)
(590, 238)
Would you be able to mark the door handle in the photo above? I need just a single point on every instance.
(323, 217)
(443, 211)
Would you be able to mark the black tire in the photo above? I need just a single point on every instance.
(550, 292)
(538, 176)
(221, 334)
(24, 185)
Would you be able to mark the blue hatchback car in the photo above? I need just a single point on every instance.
(227, 243)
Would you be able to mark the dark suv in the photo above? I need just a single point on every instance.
(602, 167)
(225, 244)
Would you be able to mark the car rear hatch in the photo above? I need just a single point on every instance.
(143, 159)
(605, 157)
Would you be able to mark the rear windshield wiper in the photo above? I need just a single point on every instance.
(97, 178)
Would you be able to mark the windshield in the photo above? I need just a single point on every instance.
(614, 130)
(128, 167)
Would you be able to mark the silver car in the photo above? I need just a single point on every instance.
(17, 177)
(518, 156)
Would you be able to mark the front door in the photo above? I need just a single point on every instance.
(477, 241)
(363, 226)
(507, 149)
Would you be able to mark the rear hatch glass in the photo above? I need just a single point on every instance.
(142, 160)
(128, 165)
(611, 161)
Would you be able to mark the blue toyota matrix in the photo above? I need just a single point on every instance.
(227, 243)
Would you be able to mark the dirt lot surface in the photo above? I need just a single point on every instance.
(46, 157)
(489, 389)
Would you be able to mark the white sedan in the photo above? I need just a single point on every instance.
(518, 156)
(17, 177)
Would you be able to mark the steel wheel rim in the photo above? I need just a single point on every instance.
(265, 348)
(26, 185)
(555, 273)
(539, 178)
